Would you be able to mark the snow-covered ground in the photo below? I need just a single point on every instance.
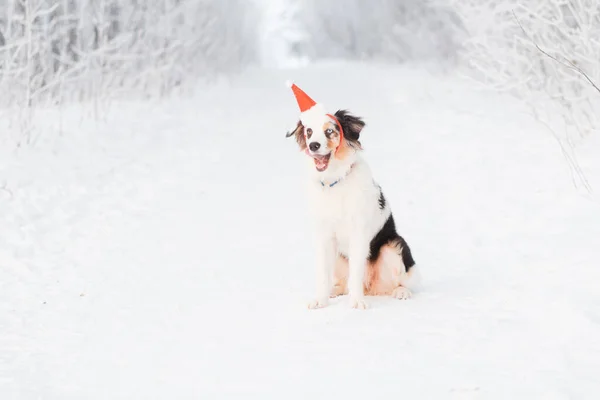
(164, 253)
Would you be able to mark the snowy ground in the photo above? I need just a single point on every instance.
(164, 253)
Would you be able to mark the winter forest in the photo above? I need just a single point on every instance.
(53, 52)
(155, 235)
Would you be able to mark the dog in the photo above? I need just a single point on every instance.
(354, 231)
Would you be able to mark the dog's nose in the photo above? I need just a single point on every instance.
(314, 146)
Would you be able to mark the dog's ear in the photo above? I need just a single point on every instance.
(298, 132)
(352, 125)
(292, 131)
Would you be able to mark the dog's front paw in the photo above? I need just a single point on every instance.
(358, 303)
(401, 293)
(318, 303)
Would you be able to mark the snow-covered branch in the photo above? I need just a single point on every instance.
(53, 51)
(544, 51)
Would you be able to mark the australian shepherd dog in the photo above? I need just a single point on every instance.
(359, 252)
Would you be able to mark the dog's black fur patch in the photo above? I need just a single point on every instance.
(387, 234)
(407, 257)
(351, 125)
(381, 200)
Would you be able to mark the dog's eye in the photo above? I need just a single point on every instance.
(309, 131)
(329, 131)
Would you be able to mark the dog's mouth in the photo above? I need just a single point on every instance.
(321, 162)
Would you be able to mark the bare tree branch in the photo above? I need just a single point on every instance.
(567, 64)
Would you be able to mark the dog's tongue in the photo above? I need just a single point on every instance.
(321, 162)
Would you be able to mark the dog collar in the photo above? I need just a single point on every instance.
(336, 182)
(331, 184)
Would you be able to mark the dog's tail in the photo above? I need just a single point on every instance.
(406, 254)
(403, 264)
(411, 279)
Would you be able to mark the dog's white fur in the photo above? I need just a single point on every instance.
(346, 217)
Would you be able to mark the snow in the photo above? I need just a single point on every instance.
(164, 252)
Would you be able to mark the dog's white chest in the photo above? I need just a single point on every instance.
(334, 217)
(349, 210)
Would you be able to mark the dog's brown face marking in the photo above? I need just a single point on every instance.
(331, 130)
(332, 134)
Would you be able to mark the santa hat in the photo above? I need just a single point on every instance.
(309, 109)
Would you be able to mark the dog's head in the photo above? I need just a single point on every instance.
(325, 136)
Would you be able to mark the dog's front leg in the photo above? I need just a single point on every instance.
(358, 254)
(326, 252)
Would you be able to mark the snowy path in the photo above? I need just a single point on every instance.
(164, 255)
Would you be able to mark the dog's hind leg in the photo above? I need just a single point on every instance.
(394, 278)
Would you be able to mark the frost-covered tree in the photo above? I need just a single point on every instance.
(60, 50)
(546, 52)
(506, 49)
(388, 30)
